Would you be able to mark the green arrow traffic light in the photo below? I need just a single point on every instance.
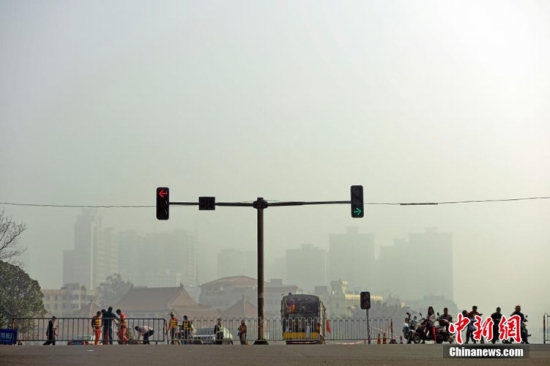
(357, 201)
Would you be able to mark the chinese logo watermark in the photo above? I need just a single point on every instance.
(507, 328)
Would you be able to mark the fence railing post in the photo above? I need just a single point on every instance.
(544, 330)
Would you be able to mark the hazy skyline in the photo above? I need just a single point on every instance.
(102, 102)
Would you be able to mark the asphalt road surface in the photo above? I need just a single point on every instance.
(303, 355)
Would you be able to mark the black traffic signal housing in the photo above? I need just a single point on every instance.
(207, 203)
(163, 203)
(357, 202)
(365, 300)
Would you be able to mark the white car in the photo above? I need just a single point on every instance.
(207, 336)
(82, 340)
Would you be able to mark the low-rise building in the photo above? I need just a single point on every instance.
(159, 302)
(68, 300)
(339, 302)
(225, 292)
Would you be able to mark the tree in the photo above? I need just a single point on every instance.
(113, 289)
(9, 236)
(20, 295)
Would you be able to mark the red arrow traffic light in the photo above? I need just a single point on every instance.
(163, 203)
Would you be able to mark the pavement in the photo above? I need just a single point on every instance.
(302, 355)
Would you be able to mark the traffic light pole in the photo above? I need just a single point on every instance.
(260, 204)
(368, 326)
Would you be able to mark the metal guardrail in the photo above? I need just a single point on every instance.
(339, 329)
(335, 330)
(78, 329)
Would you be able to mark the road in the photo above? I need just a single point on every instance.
(302, 355)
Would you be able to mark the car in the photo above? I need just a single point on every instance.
(207, 336)
(82, 340)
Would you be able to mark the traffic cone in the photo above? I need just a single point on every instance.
(400, 339)
(384, 339)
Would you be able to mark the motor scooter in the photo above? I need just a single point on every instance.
(409, 327)
(524, 335)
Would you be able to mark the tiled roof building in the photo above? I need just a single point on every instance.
(161, 301)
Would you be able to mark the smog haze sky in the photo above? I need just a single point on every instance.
(419, 101)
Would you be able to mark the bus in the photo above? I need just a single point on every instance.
(303, 319)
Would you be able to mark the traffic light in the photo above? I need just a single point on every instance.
(365, 300)
(163, 203)
(207, 203)
(357, 203)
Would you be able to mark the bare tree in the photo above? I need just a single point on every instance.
(9, 235)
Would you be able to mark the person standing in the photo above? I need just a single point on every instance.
(172, 327)
(186, 329)
(429, 324)
(122, 326)
(108, 318)
(144, 331)
(96, 326)
(242, 332)
(51, 332)
(218, 331)
(496, 316)
(471, 328)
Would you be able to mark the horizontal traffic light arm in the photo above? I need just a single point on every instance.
(272, 204)
(236, 204)
(298, 203)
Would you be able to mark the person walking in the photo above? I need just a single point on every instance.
(96, 326)
(242, 333)
(51, 332)
(144, 331)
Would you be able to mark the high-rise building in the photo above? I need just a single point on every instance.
(131, 246)
(275, 267)
(351, 258)
(232, 262)
(158, 260)
(306, 267)
(95, 253)
(421, 268)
